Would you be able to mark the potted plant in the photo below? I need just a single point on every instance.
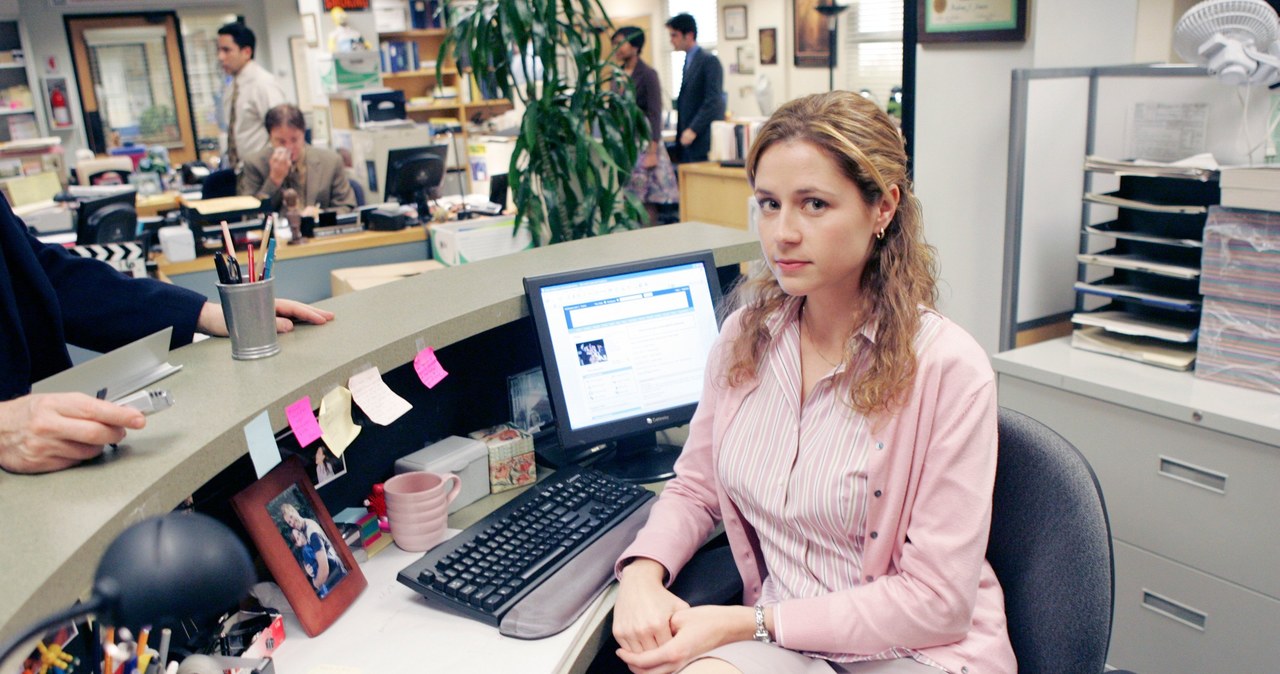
(581, 132)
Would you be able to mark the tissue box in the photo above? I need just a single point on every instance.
(463, 241)
(464, 457)
(349, 70)
(510, 457)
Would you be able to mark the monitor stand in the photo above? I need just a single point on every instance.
(640, 459)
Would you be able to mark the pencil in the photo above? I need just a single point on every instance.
(251, 278)
(226, 237)
(266, 234)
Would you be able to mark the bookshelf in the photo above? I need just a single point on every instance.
(429, 94)
(19, 118)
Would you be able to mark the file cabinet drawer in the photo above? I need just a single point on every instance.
(1203, 498)
(1170, 618)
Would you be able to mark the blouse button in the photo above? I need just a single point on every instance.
(964, 670)
(879, 445)
(878, 492)
(870, 578)
(875, 534)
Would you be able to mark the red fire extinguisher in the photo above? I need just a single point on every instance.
(61, 113)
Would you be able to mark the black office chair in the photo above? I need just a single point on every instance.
(220, 183)
(358, 190)
(1050, 547)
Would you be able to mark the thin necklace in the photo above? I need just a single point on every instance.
(813, 343)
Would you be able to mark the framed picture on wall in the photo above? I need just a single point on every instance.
(735, 22)
(812, 50)
(972, 21)
(768, 46)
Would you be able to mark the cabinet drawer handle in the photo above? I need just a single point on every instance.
(1173, 610)
(1200, 477)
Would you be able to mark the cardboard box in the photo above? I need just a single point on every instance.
(351, 279)
(348, 70)
(463, 241)
(511, 462)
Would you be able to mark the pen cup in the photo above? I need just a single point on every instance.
(250, 310)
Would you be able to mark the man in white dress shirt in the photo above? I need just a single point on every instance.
(252, 92)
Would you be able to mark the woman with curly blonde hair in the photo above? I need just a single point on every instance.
(846, 438)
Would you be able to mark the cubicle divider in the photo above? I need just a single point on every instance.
(1057, 117)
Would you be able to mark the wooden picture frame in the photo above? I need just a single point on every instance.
(264, 508)
(735, 22)
(768, 46)
(811, 38)
(971, 21)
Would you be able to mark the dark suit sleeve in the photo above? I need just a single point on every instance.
(103, 309)
(341, 196)
(255, 180)
(711, 107)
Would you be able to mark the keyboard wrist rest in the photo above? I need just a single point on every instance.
(560, 599)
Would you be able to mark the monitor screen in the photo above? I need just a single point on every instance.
(107, 217)
(623, 349)
(404, 186)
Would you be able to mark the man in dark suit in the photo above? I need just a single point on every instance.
(317, 174)
(701, 100)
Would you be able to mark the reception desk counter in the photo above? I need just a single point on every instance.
(58, 525)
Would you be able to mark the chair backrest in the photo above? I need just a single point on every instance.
(358, 190)
(114, 224)
(1050, 547)
(218, 184)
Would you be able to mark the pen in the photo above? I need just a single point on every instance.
(251, 278)
(233, 265)
(271, 258)
(143, 656)
(163, 656)
(220, 263)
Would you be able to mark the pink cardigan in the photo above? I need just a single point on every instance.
(931, 587)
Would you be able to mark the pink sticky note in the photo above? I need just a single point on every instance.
(429, 370)
(303, 421)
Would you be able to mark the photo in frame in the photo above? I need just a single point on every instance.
(530, 406)
(735, 22)
(768, 46)
(300, 545)
(971, 20)
(746, 60)
(811, 38)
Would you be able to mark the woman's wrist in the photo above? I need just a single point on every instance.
(643, 569)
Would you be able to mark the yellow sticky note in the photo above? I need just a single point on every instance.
(336, 426)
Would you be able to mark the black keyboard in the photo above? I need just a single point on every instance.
(488, 568)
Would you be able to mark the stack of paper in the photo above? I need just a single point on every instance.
(1142, 349)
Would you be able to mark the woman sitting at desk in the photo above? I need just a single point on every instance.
(49, 298)
(846, 438)
(288, 162)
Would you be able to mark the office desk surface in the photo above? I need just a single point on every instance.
(57, 525)
(325, 245)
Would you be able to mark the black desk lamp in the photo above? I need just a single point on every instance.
(157, 572)
(832, 11)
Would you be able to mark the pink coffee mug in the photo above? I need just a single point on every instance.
(418, 508)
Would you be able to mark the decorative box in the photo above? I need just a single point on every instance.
(510, 457)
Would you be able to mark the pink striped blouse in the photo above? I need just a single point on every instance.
(866, 536)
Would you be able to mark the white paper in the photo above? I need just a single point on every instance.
(375, 398)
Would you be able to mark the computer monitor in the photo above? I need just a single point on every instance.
(109, 218)
(623, 351)
(414, 175)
